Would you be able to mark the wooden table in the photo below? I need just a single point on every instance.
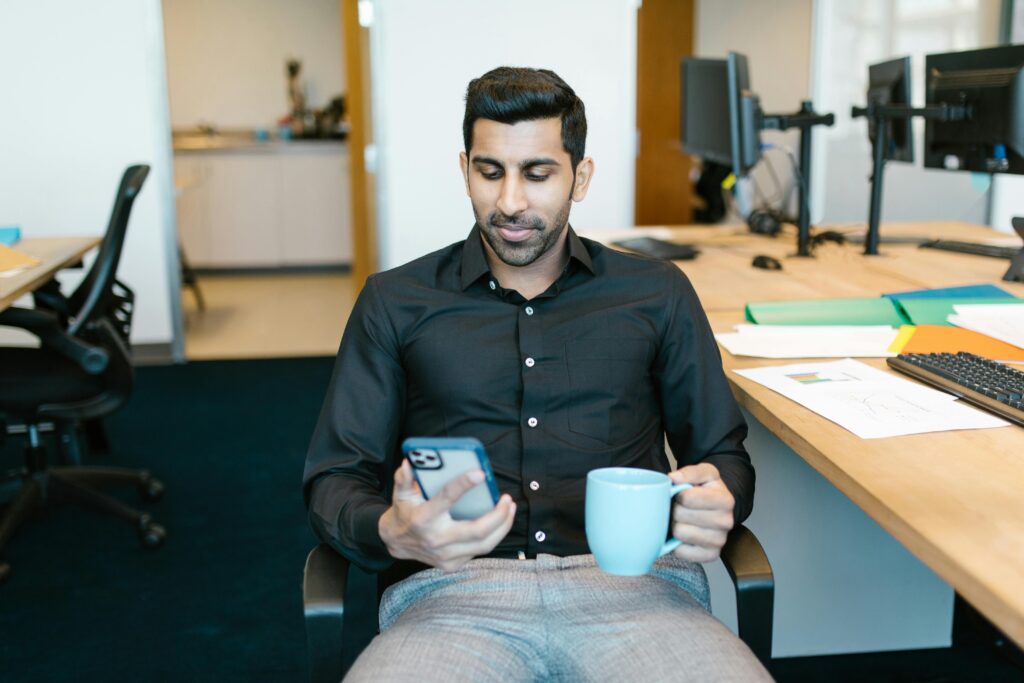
(954, 499)
(54, 252)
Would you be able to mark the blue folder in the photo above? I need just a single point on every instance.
(965, 292)
(9, 235)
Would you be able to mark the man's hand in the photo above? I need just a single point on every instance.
(703, 515)
(414, 528)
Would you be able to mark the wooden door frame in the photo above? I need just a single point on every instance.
(356, 39)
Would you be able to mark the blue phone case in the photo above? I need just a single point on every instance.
(437, 460)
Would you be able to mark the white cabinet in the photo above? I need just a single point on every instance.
(270, 206)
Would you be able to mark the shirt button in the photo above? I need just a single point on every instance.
(530, 362)
(493, 286)
(534, 485)
(529, 310)
(540, 536)
(532, 422)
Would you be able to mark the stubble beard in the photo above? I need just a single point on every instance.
(523, 253)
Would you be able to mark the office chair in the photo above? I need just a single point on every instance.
(82, 371)
(332, 645)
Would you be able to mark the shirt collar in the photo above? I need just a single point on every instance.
(474, 260)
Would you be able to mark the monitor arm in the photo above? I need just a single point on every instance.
(804, 120)
(881, 115)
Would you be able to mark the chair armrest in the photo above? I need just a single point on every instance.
(323, 599)
(748, 566)
(47, 326)
(50, 298)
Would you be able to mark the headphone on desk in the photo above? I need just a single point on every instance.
(766, 222)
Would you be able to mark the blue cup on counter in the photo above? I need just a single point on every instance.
(627, 517)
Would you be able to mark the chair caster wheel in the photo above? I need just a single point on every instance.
(151, 489)
(152, 535)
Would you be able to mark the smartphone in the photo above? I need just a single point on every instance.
(436, 461)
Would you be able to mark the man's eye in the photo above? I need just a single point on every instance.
(537, 178)
(491, 175)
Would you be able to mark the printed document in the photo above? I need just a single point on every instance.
(869, 402)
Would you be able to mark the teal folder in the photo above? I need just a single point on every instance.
(865, 311)
(934, 311)
(964, 292)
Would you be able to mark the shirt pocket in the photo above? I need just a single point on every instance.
(606, 376)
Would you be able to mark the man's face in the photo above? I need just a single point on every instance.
(520, 181)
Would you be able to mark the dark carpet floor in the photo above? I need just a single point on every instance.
(222, 600)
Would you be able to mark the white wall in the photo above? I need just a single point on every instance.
(776, 38)
(226, 58)
(850, 36)
(84, 97)
(424, 55)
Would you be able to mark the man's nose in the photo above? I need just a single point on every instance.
(512, 198)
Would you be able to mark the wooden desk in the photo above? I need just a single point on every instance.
(953, 499)
(54, 252)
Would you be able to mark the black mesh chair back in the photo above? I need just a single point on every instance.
(101, 295)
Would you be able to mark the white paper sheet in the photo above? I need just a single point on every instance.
(809, 341)
(869, 402)
(1004, 322)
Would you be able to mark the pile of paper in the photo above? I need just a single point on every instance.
(1004, 322)
(809, 341)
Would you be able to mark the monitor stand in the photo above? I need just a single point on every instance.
(1015, 273)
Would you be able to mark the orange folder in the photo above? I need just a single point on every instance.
(11, 259)
(947, 339)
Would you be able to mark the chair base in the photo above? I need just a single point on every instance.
(82, 484)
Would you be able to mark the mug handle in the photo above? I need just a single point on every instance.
(675, 542)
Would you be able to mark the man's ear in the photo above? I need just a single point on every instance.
(464, 165)
(584, 173)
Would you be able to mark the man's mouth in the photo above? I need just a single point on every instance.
(512, 232)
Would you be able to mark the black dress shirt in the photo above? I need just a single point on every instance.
(594, 372)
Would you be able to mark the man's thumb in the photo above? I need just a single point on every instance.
(406, 488)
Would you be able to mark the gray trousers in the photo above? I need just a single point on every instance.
(554, 618)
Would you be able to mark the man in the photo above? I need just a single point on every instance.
(561, 356)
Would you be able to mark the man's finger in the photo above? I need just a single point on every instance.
(484, 545)
(405, 485)
(698, 474)
(707, 497)
(708, 519)
(481, 527)
(450, 494)
(695, 553)
(699, 536)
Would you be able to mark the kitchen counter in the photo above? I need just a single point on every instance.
(245, 141)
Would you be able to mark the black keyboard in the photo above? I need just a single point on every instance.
(985, 383)
(659, 249)
(992, 250)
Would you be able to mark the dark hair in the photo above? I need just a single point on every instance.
(512, 94)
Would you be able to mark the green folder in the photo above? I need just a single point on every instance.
(866, 311)
(934, 311)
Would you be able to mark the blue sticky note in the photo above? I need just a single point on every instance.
(9, 235)
(966, 292)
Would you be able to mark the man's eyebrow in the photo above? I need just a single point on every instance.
(487, 160)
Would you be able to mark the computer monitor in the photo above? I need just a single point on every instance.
(989, 85)
(722, 121)
(745, 116)
(888, 85)
(705, 109)
(718, 109)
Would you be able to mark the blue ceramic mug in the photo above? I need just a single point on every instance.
(627, 516)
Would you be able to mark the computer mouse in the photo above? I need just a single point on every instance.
(766, 262)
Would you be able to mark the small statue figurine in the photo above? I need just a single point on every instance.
(296, 97)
